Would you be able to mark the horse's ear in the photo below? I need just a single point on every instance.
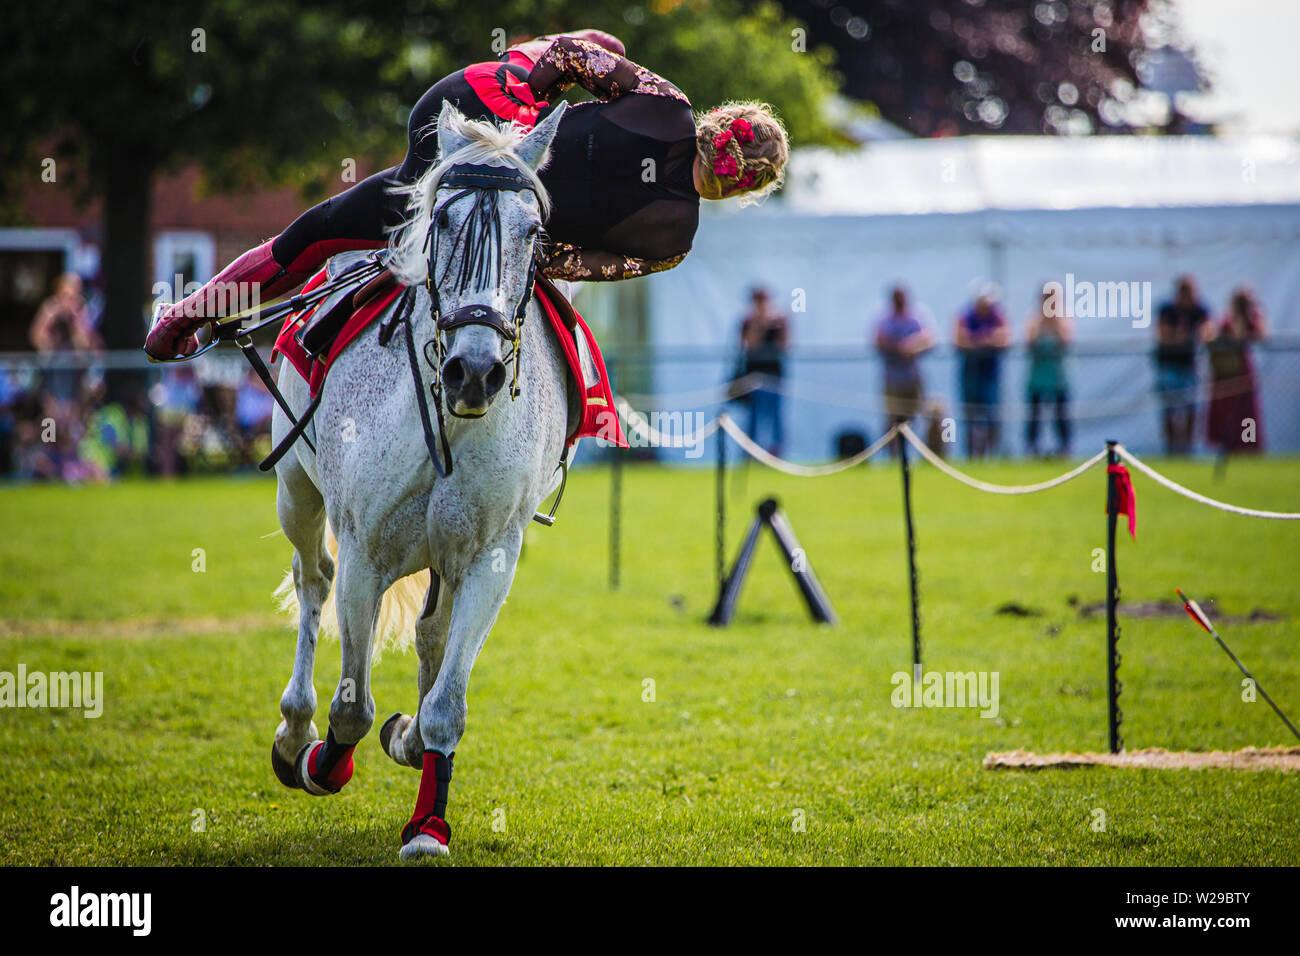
(533, 149)
(450, 137)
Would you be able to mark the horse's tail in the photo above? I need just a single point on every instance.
(398, 612)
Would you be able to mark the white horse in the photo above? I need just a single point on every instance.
(372, 477)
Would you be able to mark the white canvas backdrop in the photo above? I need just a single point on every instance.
(842, 267)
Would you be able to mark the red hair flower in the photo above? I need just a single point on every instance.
(722, 139)
(743, 183)
(724, 165)
(744, 132)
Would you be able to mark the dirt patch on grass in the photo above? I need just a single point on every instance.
(1153, 758)
(1174, 609)
(140, 627)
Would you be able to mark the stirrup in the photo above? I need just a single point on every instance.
(548, 519)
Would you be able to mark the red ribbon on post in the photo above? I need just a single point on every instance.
(1125, 496)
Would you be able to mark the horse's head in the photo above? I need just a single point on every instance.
(471, 238)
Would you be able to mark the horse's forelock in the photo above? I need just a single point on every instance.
(488, 143)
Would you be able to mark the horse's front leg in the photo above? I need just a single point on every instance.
(302, 515)
(324, 767)
(400, 736)
(478, 599)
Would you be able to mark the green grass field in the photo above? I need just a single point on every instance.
(752, 728)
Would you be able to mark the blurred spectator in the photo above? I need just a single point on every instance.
(1181, 325)
(981, 334)
(48, 449)
(176, 400)
(11, 398)
(117, 433)
(764, 338)
(1048, 336)
(902, 335)
(253, 407)
(61, 331)
(1233, 422)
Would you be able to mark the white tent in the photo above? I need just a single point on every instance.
(943, 216)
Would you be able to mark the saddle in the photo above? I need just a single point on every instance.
(322, 325)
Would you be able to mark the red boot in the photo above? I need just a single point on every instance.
(172, 334)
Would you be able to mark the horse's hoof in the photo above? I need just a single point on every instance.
(386, 732)
(284, 771)
(422, 845)
(395, 729)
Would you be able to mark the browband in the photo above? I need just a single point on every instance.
(485, 177)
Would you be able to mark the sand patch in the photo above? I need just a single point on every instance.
(1153, 758)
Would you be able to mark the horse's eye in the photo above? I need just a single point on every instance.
(442, 219)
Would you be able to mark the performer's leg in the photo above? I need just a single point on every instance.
(355, 219)
(359, 218)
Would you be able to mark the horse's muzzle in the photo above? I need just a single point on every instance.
(471, 382)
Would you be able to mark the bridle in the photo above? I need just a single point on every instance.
(481, 232)
(481, 236)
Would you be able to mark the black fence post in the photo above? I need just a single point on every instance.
(911, 552)
(1114, 715)
(720, 494)
(615, 516)
(615, 500)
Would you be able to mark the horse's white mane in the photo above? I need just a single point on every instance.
(488, 143)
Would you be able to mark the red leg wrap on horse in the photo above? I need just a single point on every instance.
(431, 804)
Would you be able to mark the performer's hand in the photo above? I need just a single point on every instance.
(533, 49)
(599, 37)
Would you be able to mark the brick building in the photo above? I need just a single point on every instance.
(193, 235)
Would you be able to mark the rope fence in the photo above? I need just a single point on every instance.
(1174, 486)
(636, 423)
(866, 402)
(1119, 499)
(928, 454)
(761, 454)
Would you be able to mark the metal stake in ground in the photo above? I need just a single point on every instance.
(1196, 614)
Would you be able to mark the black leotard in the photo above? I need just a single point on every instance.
(623, 198)
(621, 169)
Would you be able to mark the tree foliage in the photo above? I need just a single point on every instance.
(943, 67)
(258, 93)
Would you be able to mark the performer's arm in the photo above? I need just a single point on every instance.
(527, 52)
(563, 260)
(605, 75)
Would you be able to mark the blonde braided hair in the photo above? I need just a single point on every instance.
(744, 147)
